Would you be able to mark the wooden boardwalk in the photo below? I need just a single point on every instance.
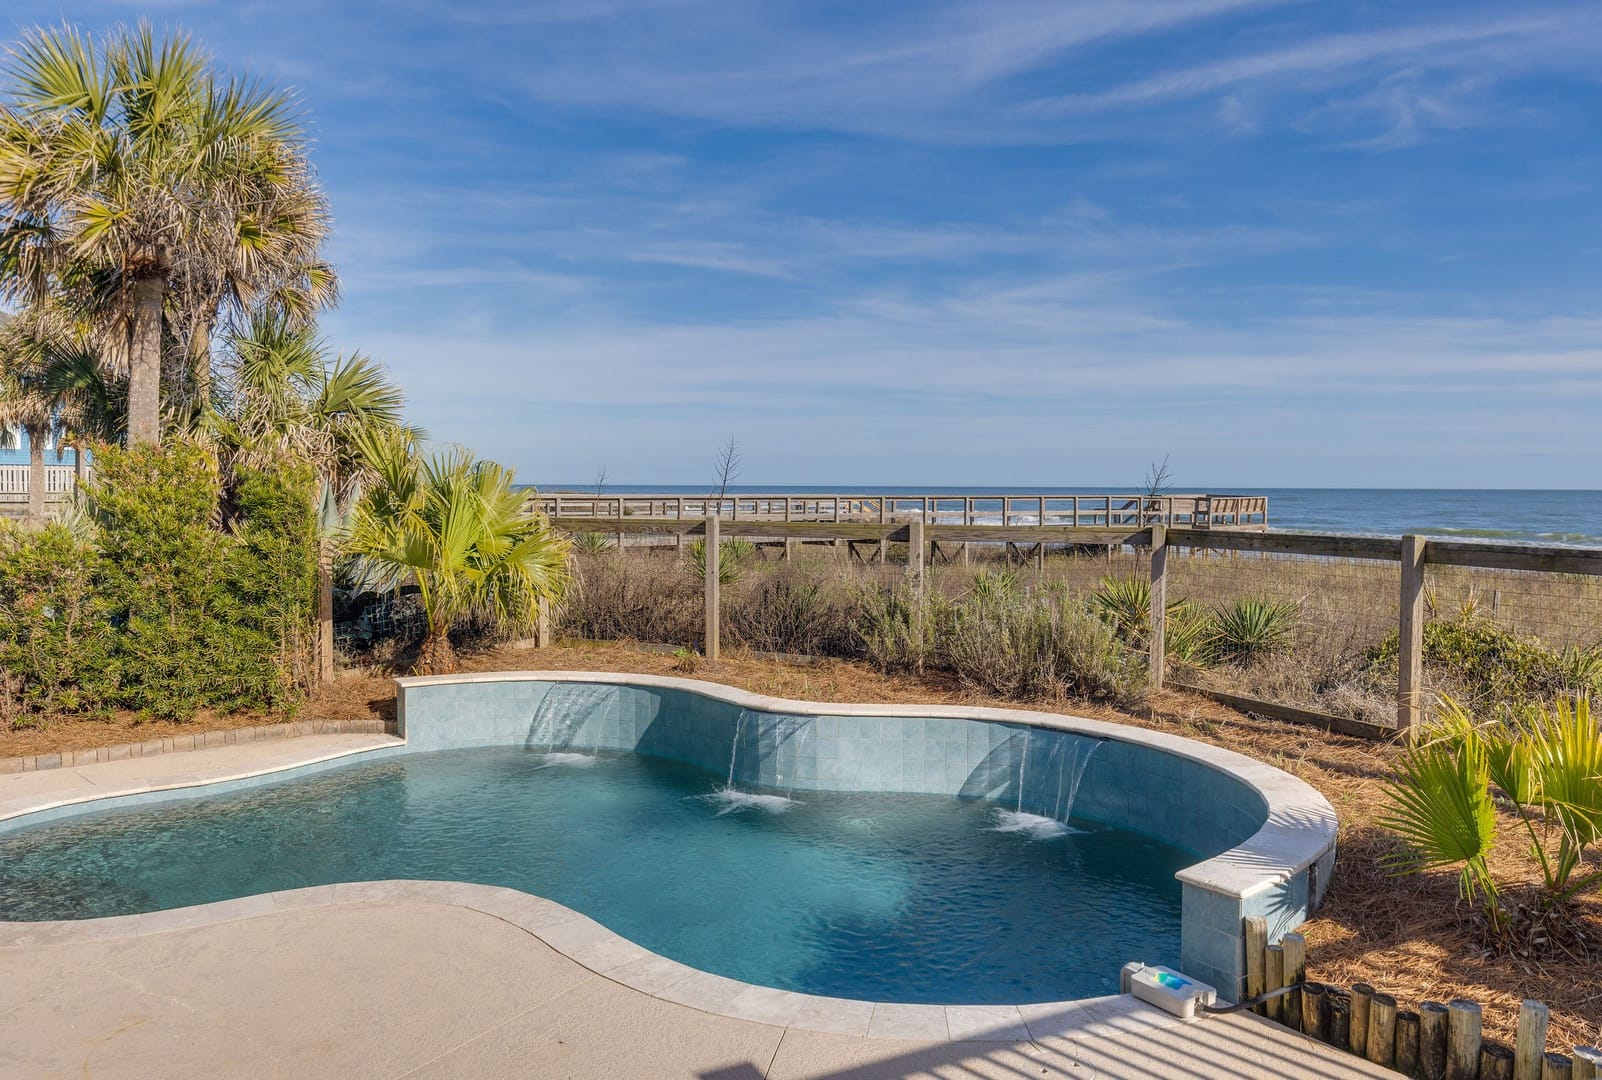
(967, 509)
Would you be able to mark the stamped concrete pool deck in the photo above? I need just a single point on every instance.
(441, 979)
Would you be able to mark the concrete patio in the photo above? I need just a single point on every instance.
(439, 979)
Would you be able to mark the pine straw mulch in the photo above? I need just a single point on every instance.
(1408, 937)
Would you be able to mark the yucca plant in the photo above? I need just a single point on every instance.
(1547, 766)
(1124, 604)
(1252, 627)
(592, 543)
(733, 555)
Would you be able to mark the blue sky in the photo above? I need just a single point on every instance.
(1001, 242)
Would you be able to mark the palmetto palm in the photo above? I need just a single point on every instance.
(1548, 766)
(155, 193)
(285, 398)
(456, 528)
(52, 387)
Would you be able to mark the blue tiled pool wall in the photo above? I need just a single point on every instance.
(1127, 785)
(1211, 945)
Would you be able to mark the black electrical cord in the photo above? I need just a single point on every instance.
(1220, 1010)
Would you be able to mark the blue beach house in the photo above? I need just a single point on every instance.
(14, 450)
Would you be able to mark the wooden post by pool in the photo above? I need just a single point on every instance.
(1432, 1040)
(1256, 949)
(1410, 640)
(1530, 1048)
(1294, 947)
(542, 624)
(1157, 643)
(1462, 1040)
(710, 646)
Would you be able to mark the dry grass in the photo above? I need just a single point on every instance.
(1406, 936)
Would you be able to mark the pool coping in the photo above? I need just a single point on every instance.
(592, 946)
(1270, 856)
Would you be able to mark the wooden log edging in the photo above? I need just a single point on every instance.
(200, 740)
(1436, 1042)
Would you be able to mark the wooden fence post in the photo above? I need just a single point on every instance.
(1256, 949)
(1274, 978)
(1340, 1018)
(1294, 947)
(1587, 1063)
(1157, 642)
(1382, 1030)
(1362, 1004)
(1315, 1011)
(915, 551)
(1410, 637)
(1432, 1040)
(1496, 1062)
(712, 555)
(1462, 1040)
(1407, 1061)
(1531, 1044)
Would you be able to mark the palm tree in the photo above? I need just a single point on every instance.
(25, 404)
(286, 399)
(157, 194)
(455, 527)
(51, 387)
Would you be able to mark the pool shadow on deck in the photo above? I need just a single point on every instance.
(1120, 1044)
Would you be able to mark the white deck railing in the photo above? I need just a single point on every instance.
(59, 479)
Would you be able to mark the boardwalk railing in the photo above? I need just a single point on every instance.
(1071, 511)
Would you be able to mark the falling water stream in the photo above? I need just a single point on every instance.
(1069, 765)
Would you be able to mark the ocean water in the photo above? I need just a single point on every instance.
(915, 898)
(1543, 517)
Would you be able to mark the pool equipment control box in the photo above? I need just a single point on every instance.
(1167, 989)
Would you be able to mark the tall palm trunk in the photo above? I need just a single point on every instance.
(37, 433)
(144, 361)
(325, 610)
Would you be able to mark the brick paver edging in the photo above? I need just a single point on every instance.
(67, 759)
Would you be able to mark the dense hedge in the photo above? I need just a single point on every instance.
(152, 602)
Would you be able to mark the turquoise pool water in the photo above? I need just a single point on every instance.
(909, 898)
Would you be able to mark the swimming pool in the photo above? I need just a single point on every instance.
(894, 852)
(887, 897)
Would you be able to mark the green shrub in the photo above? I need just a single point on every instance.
(203, 618)
(57, 647)
(638, 598)
(148, 604)
(1494, 671)
(273, 572)
(1250, 628)
(791, 609)
(900, 628)
(592, 543)
(1013, 643)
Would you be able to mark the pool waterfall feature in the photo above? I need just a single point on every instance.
(1265, 841)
